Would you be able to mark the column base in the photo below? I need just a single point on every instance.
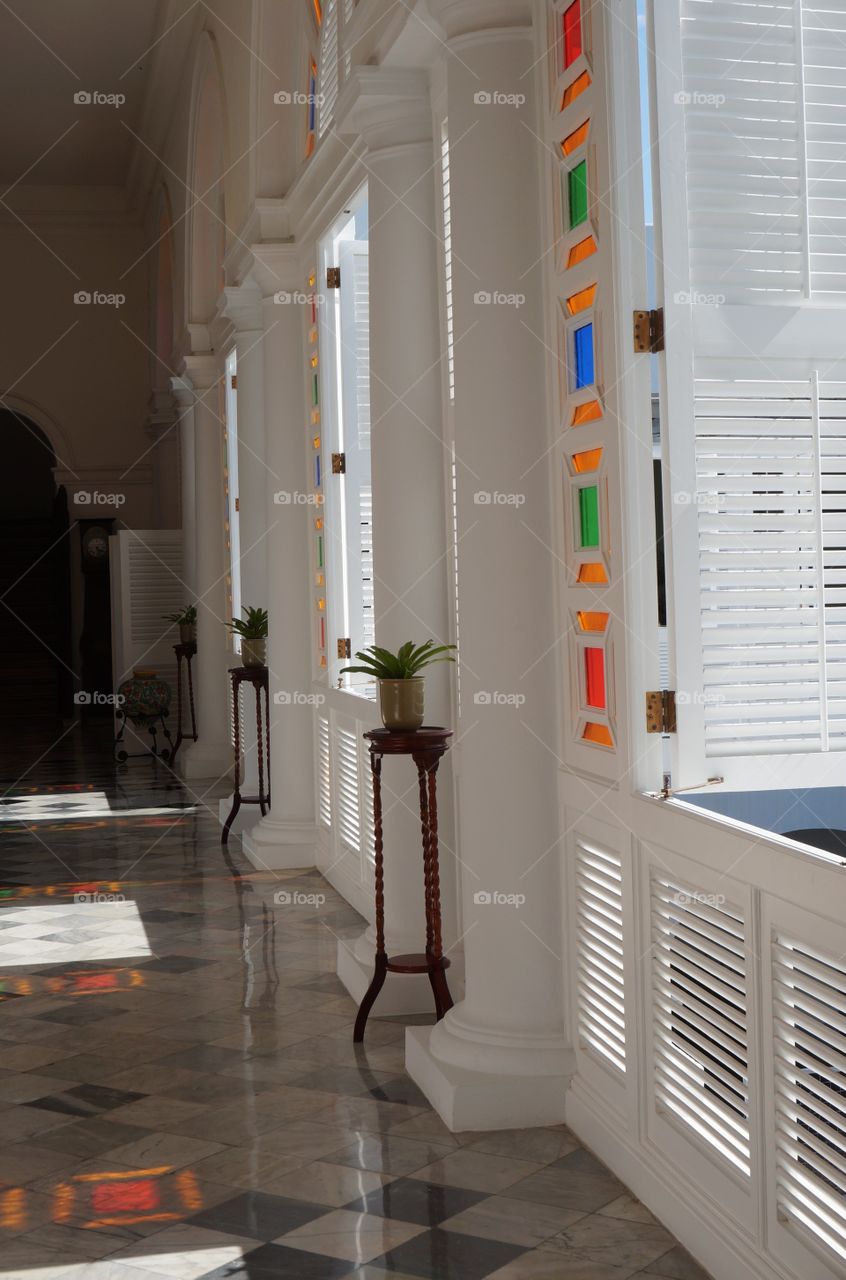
(470, 1098)
(278, 846)
(402, 993)
(206, 760)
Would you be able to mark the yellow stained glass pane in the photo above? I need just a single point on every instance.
(580, 251)
(587, 460)
(576, 139)
(592, 620)
(589, 412)
(582, 300)
(575, 90)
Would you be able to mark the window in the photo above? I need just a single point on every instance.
(345, 343)
(448, 279)
(329, 67)
(231, 513)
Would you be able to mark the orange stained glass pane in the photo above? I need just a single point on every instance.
(318, 10)
(598, 733)
(576, 89)
(580, 251)
(587, 460)
(582, 300)
(323, 662)
(310, 142)
(589, 412)
(576, 139)
(314, 361)
(592, 620)
(592, 573)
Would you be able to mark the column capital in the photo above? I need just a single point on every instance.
(386, 106)
(277, 268)
(183, 393)
(199, 372)
(242, 305)
(476, 17)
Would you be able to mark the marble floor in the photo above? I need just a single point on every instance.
(180, 1095)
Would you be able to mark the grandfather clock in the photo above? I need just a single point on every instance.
(95, 642)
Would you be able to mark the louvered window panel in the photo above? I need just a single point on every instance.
(347, 784)
(824, 42)
(324, 772)
(700, 1017)
(756, 477)
(832, 420)
(446, 196)
(809, 993)
(328, 69)
(367, 803)
(601, 984)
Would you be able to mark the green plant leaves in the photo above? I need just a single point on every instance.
(251, 627)
(381, 664)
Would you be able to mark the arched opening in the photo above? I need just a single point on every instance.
(36, 675)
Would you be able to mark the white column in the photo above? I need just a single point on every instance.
(243, 306)
(500, 1058)
(183, 394)
(163, 434)
(287, 836)
(211, 756)
(391, 110)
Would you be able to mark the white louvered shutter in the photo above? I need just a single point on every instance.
(700, 1018)
(328, 68)
(355, 383)
(601, 968)
(146, 584)
(751, 123)
(324, 772)
(347, 790)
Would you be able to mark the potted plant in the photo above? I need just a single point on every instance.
(186, 620)
(253, 632)
(400, 684)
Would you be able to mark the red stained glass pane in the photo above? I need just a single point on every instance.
(595, 678)
(572, 32)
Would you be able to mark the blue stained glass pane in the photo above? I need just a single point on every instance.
(583, 353)
(317, 477)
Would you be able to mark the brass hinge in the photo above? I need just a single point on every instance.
(333, 277)
(649, 330)
(345, 648)
(234, 381)
(661, 711)
(339, 464)
(237, 504)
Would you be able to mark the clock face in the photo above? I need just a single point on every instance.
(95, 545)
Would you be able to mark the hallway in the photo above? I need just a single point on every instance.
(180, 1094)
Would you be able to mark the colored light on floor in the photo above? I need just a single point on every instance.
(579, 252)
(572, 24)
(584, 371)
(592, 574)
(575, 90)
(577, 195)
(589, 516)
(137, 1196)
(590, 412)
(576, 139)
(599, 734)
(595, 678)
(593, 620)
(587, 460)
(582, 300)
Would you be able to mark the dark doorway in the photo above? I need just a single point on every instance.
(36, 680)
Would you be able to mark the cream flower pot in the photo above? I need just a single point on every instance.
(254, 652)
(401, 704)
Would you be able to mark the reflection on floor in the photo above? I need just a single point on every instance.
(179, 1091)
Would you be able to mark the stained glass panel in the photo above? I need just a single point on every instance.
(589, 516)
(595, 679)
(584, 374)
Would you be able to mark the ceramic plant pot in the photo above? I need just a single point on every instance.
(401, 704)
(254, 652)
(187, 633)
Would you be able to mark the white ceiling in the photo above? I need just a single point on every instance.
(53, 49)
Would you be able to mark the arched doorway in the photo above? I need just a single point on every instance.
(36, 678)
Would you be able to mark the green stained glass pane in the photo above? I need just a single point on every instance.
(589, 516)
(320, 552)
(578, 194)
(314, 391)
